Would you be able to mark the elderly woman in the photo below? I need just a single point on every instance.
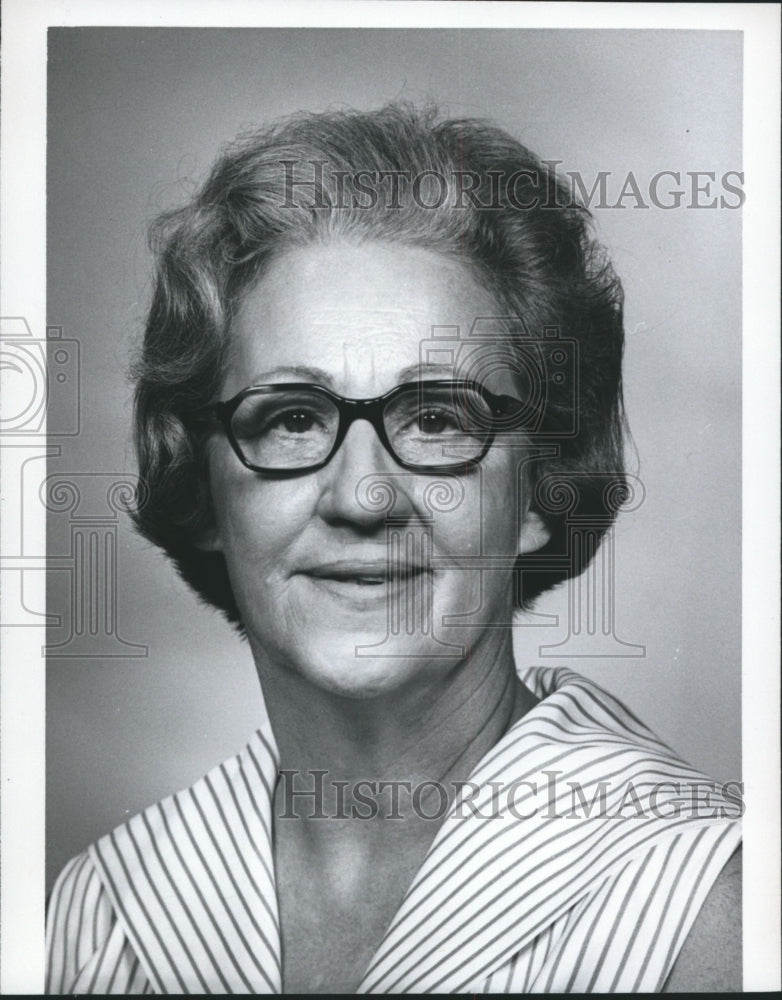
(381, 346)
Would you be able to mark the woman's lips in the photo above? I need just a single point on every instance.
(364, 574)
(376, 595)
(365, 585)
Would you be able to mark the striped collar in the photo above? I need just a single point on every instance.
(573, 790)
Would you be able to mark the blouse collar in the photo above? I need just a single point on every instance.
(573, 789)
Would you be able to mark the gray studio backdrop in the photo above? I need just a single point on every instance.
(154, 689)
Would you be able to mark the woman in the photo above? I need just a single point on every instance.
(381, 349)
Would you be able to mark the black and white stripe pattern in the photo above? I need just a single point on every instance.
(181, 899)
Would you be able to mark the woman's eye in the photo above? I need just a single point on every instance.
(436, 422)
(294, 422)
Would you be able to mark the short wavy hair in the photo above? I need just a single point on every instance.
(481, 197)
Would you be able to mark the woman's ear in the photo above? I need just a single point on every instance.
(533, 534)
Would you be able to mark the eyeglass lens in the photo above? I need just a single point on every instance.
(297, 428)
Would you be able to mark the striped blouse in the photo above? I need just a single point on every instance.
(574, 860)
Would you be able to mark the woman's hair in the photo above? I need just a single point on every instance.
(460, 187)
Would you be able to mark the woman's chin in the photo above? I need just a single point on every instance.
(362, 667)
(366, 640)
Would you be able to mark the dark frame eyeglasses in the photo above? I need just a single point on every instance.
(475, 415)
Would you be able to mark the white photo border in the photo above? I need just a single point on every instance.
(22, 286)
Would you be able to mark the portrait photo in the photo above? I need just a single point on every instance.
(385, 448)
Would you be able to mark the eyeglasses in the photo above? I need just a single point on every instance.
(430, 426)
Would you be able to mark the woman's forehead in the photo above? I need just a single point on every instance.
(388, 282)
(366, 313)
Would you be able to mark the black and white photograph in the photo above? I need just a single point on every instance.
(390, 499)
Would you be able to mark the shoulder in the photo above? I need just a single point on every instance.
(87, 950)
(77, 898)
(79, 918)
(710, 959)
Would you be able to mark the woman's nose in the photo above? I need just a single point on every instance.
(362, 483)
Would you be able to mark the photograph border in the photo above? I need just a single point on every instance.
(22, 292)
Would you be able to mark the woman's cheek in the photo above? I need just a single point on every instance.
(261, 524)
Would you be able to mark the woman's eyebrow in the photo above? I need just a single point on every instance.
(302, 373)
(413, 372)
(307, 373)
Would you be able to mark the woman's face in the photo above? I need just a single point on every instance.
(308, 556)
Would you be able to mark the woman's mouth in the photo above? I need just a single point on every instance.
(368, 584)
(361, 574)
